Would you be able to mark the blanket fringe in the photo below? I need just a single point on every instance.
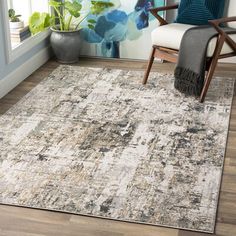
(188, 82)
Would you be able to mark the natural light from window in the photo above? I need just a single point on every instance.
(20, 32)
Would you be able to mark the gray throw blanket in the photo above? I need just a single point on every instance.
(190, 70)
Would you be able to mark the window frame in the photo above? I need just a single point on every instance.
(13, 53)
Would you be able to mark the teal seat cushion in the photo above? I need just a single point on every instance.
(198, 12)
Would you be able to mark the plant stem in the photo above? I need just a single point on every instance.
(69, 22)
(64, 17)
(60, 18)
(81, 21)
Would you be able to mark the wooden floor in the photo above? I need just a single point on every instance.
(16, 221)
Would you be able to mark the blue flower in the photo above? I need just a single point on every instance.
(142, 6)
(112, 26)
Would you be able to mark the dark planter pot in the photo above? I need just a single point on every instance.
(66, 45)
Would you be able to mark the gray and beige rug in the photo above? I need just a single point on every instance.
(96, 142)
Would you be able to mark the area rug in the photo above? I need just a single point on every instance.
(96, 142)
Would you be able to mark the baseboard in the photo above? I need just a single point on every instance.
(22, 72)
(229, 60)
(118, 59)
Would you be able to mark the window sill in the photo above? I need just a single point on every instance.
(26, 45)
(14, 53)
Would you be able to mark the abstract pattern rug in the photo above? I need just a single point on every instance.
(96, 142)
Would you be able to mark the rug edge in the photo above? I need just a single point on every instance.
(225, 150)
(105, 218)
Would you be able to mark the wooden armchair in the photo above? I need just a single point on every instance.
(166, 41)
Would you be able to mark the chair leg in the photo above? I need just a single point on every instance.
(149, 66)
(210, 73)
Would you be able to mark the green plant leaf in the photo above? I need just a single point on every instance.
(55, 4)
(47, 19)
(91, 21)
(92, 27)
(73, 8)
(65, 10)
(99, 6)
(11, 13)
(39, 22)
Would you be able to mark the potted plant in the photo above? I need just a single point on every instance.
(66, 22)
(15, 22)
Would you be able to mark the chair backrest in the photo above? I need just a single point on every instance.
(230, 10)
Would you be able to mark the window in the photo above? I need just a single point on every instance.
(27, 7)
(24, 8)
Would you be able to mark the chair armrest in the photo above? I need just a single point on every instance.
(216, 23)
(165, 8)
(155, 11)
